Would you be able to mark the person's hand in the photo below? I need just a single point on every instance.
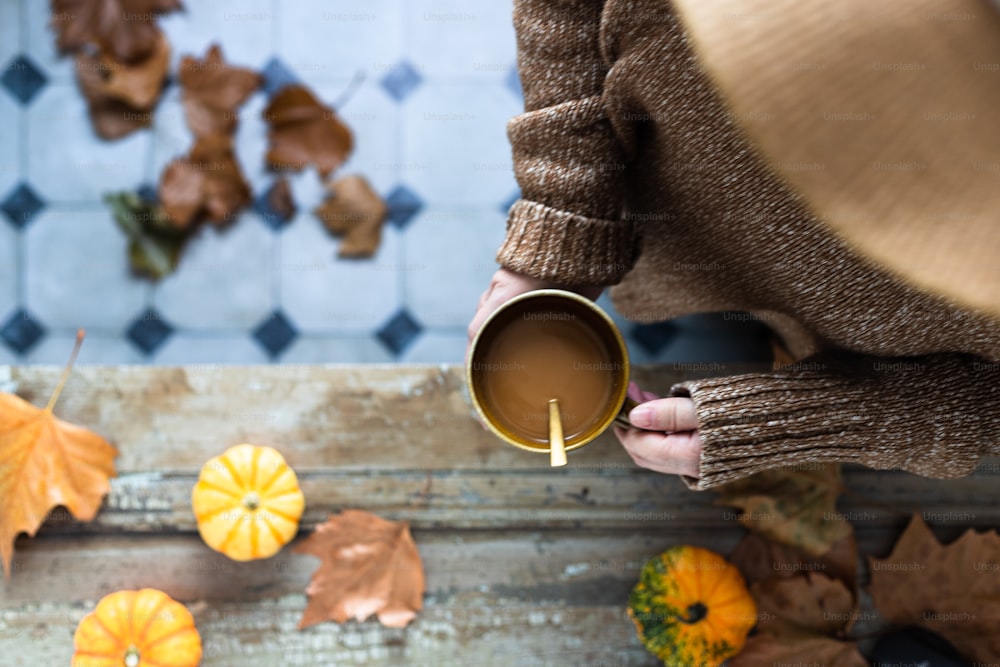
(507, 284)
(668, 441)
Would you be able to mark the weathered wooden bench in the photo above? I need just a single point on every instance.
(525, 565)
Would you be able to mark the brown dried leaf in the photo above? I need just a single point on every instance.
(769, 650)
(356, 211)
(951, 590)
(369, 566)
(792, 506)
(212, 91)
(280, 200)
(759, 558)
(124, 29)
(207, 182)
(808, 605)
(121, 97)
(303, 131)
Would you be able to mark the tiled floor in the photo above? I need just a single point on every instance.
(438, 83)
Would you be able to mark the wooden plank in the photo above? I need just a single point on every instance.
(377, 417)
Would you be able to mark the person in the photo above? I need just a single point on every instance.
(832, 169)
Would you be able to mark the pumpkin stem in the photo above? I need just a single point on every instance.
(131, 656)
(695, 613)
(251, 501)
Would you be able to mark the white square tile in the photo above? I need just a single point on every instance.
(10, 145)
(183, 348)
(225, 279)
(373, 118)
(251, 142)
(67, 162)
(322, 40)
(8, 269)
(242, 28)
(171, 136)
(336, 350)
(455, 148)
(436, 348)
(77, 272)
(40, 42)
(97, 349)
(449, 262)
(322, 293)
(10, 30)
(457, 38)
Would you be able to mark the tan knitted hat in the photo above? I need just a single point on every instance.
(884, 114)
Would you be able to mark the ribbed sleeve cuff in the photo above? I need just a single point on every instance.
(927, 415)
(566, 248)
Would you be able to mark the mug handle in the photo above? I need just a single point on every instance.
(622, 417)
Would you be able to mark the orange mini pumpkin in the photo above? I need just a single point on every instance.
(247, 502)
(144, 628)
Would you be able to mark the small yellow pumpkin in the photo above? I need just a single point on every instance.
(692, 608)
(144, 628)
(247, 502)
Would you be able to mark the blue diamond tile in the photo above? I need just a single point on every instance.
(399, 332)
(23, 79)
(403, 204)
(272, 218)
(513, 82)
(275, 334)
(654, 337)
(276, 76)
(149, 331)
(21, 332)
(22, 205)
(506, 205)
(401, 80)
(148, 193)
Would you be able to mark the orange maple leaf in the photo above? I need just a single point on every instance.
(45, 462)
(370, 566)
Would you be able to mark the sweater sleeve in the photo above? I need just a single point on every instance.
(932, 415)
(568, 225)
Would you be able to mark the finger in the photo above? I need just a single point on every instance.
(665, 414)
(673, 453)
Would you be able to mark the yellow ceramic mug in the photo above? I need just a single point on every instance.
(548, 317)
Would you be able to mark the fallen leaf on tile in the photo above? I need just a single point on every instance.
(46, 462)
(126, 30)
(951, 590)
(369, 566)
(796, 507)
(207, 183)
(212, 91)
(154, 242)
(302, 131)
(280, 200)
(355, 211)
(121, 98)
(769, 650)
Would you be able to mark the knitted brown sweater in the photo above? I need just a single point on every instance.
(633, 171)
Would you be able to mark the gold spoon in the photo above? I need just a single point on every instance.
(557, 446)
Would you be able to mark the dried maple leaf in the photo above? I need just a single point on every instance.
(807, 605)
(46, 462)
(212, 91)
(207, 182)
(951, 590)
(370, 566)
(154, 242)
(303, 131)
(125, 29)
(357, 212)
(758, 558)
(120, 97)
(769, 650)
(793, 506)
